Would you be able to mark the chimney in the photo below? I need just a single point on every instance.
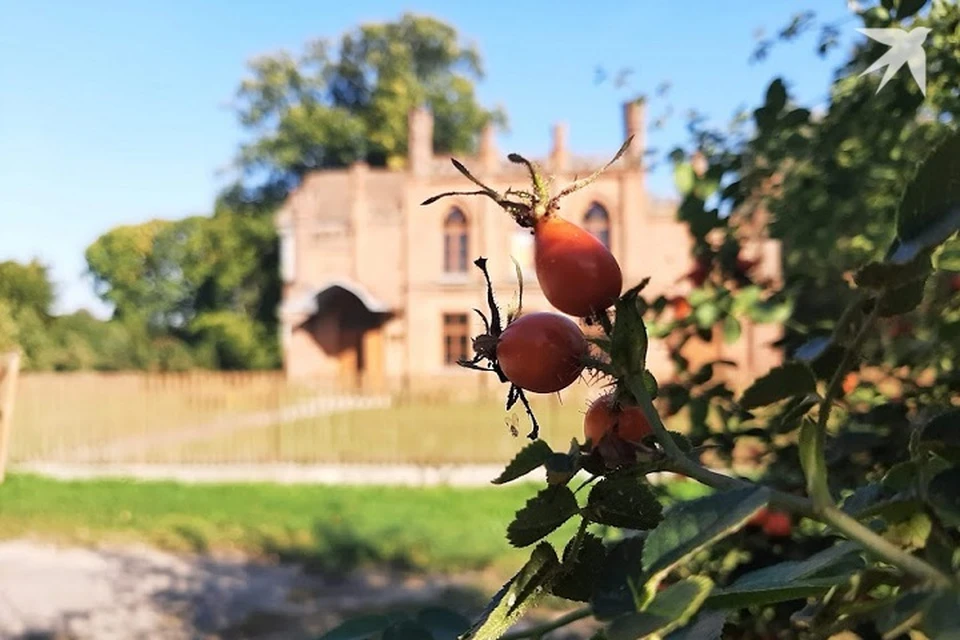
(559, 155)
(633, 116)
(488, 148)
(420, 140)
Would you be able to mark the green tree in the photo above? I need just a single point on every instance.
(9, 332)
(128, 274)
(339, 102)
(26, 286)
(165, 276)
(232, 341)
(26, 295)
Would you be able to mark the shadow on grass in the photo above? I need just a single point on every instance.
(302, 586)
(337, 551)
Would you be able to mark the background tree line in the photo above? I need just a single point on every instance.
(203, 291)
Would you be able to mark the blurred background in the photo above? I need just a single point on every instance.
(235, 408)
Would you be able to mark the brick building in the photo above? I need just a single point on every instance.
(378, 290)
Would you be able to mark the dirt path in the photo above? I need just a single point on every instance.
(134, 593)
(348, 474)
(315, 407)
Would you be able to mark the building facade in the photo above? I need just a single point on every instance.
(379, 290)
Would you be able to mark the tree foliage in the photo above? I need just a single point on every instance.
(347, 100)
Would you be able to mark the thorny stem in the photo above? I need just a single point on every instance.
(540, 630)
(535, 426)
(605, 323)
(481, 263)
(882, 547)
(678, 462)
(539, 186)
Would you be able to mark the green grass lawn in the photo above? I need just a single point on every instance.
(329, 527)
(333, 528)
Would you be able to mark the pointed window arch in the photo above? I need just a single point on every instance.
(597, 222)
(456, 240)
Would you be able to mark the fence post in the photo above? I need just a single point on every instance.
(9, 372)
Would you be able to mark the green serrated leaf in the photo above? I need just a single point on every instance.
(442, 623)
(689, 526)
(898, 618)
(941, 435)
(908, 8)
(543, 514)
(813, 463)
(900, 476)
(882, 275)
(902, 299)
(362, 628)
(706, 314)
(826, 365)
(684, 177)
(771, 312)
(812, 349)
(515, 597)
(929, 210)
(669, 610)
(707, 625)
(948, 257)
(944, 496)
(787, 580)
(527, 459)
(764, 118)
(787, 380)
(941, 620)
(796, 118)
(776, 98)
(619, 576)
(704, 374)
(911, 533)
(792, 412)
(863, 498)
(578, 578)
(650, 384)
(623, 500)
(561, 467)
(407, 630)
(731, 329)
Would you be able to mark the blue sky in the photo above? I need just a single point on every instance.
(117, 112)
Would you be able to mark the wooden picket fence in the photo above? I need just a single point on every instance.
(259, 417)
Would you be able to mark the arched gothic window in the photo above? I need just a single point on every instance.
(455, 242)
(597, 222)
